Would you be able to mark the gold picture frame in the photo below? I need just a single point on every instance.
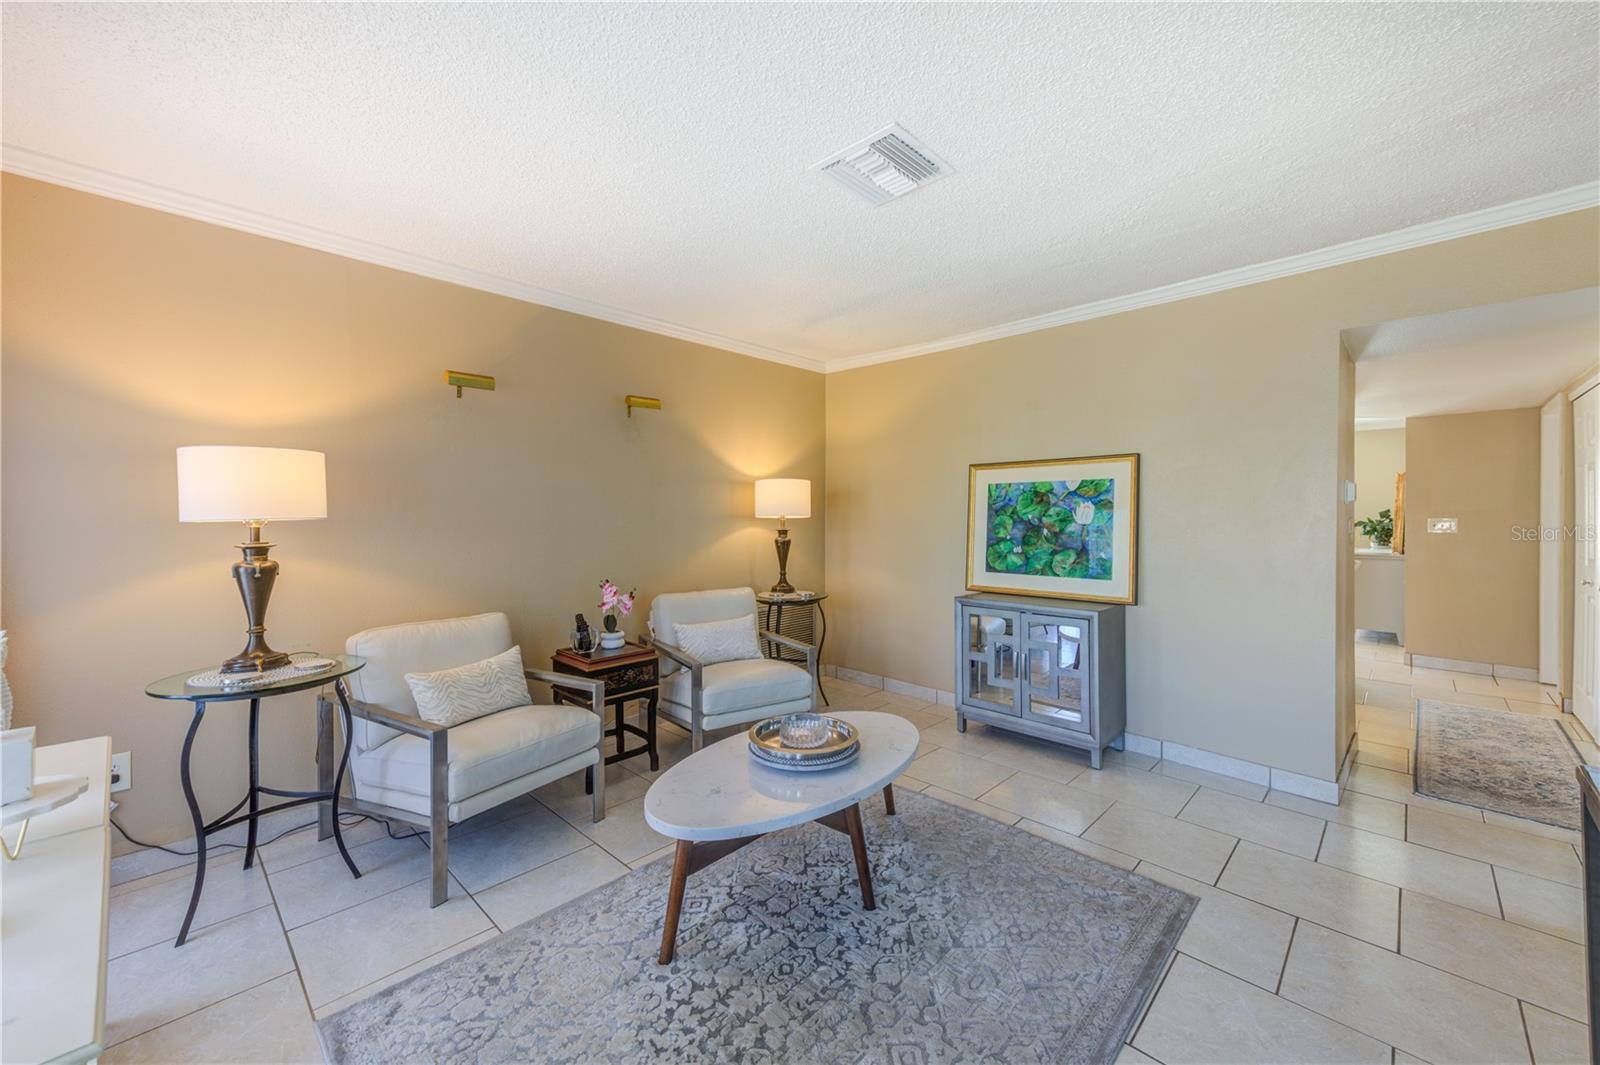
(1063, 528)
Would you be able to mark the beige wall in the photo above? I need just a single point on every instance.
(1380, 455)
(1234, 401)
(128, 332)
(1473, 595)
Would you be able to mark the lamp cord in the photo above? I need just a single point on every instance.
(354, 819)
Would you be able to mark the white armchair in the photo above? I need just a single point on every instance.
(406, 769)
(704, 696)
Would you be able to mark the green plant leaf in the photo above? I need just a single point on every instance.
(1057, 517)
(997, 493)
(1033, 504)
(1005, 557)
(1093, 487)
(1000, 527)
(1061, 563)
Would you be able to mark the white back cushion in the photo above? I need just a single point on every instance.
(721, 604)
(457, 695)
(392, 651)
(733, 640)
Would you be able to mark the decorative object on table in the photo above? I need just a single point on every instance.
(1379, 530)
(16, 764)
(641, 402)
(301, 664)
(329, 778)
(47, 793)
(1042, 667)
(702, 696)
(582, 635)
(459, 379)
(796, 615)
(804, 742)
(1087, 940)
(631, 673)
(253, 485)
(5, 685)
(1064, 528)
(783, 498)
(1515, 764)
(615, 604)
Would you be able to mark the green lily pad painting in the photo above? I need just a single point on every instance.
(1052, 528)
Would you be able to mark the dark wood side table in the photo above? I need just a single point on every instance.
(630, 674)
(797, 624)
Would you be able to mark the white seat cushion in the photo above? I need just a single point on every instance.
(733, 686)
(483, 753)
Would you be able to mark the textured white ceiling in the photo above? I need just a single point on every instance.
(653, 158)
(1499, 357)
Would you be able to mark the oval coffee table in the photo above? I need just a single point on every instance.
(720, 799)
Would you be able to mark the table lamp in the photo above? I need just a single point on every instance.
(254, 485)
(783, 498)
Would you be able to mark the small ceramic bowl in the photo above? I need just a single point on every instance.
(804, 731)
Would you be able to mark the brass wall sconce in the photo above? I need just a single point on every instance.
(642, 402)
(461, 380)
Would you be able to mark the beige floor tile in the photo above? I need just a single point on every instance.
(1271, 826)
(148, 911)
(1384, 693)
(652, 857)
(1383, 715)
(977, 740)
(1521, 962)
(909, 783)
(1203, 1015)
(269, 1024)
(1132, 1055)
(1047, 801)
(1446, 876)
(1382, 783)
(1543, 708)
(1005, 817)
(1172, 844)
(511, 847)
(1215, 781)
(1389, 653)
(1388, 735)
(624, 832)
(1504, 687)
(1371, 752)
(1355, 809)
(1083, 846)
(1037, 757)
(1115, 759)
(1535, 828)
(1555, 1039)
(1431, 1014)
(1231, 933)
(525, 897)
(340, 953)
(161, 983)
(314, 889)
(303, 846)
(1356, 905)
(1402, 1058)
(568, 800)
(368, 990)
(1138, 787)
(1400, 673)
(1494, 844)
(1461, 698)
(963, 774)
(1541, 904)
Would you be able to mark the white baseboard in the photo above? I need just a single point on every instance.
(1517, 673)
(1145, 745)
(1222, 764)
(947, 698)
(912, 691)
(1307, 787)
(1455, 665)
(856, 676)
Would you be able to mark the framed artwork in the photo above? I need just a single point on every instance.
(1066, 528)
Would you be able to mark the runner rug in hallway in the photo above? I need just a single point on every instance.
(988, 943)
(1515, 764)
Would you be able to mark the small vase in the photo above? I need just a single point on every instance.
(612, 641)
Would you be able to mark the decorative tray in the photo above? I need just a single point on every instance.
(814, 766)
(803, 741)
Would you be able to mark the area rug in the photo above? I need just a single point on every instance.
(1511, 763)
(988, 944)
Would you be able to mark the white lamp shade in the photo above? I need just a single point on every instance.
(783, 497)
(251, 484)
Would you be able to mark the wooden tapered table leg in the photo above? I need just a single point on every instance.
(888, 799)
(858, 843)
(680, 877)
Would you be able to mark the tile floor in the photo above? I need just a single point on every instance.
(1389, 928)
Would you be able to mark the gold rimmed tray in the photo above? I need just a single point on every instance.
(764, 735)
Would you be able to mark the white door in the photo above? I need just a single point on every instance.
(1586, 597)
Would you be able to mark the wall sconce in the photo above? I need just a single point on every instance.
(642, 402)
(461, 380)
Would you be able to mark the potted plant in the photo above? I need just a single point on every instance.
(1379, 530)
(614, 604)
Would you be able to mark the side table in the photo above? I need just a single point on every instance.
(630, 673)
(800, 605)
(177, 687)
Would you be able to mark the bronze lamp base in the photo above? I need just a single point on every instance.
(783, 586)
(255, 575)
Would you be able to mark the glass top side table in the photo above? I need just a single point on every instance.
(176, 687)
(800, 604)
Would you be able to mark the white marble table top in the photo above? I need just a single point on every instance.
(721, 792)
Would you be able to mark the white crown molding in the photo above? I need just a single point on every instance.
(29, 163)
(1367, 425)
(1532, 209)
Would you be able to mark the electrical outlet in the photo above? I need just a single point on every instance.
(122, 771)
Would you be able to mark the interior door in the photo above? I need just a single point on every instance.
(1586, 598)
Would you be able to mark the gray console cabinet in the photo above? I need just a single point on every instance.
(1050, 668)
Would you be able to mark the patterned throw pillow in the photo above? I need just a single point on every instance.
(452, 696)
(720, 641)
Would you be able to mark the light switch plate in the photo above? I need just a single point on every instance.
(1441, 525)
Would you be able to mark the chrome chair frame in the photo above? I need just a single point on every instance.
(696, 670)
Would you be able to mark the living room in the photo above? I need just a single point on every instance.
(581, 309)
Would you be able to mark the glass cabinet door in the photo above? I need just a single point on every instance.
(1056, 662)
(991, 658)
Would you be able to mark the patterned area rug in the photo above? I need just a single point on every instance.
(988, 943)
(1511, 763)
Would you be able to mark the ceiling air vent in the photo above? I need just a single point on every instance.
(885, 166)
